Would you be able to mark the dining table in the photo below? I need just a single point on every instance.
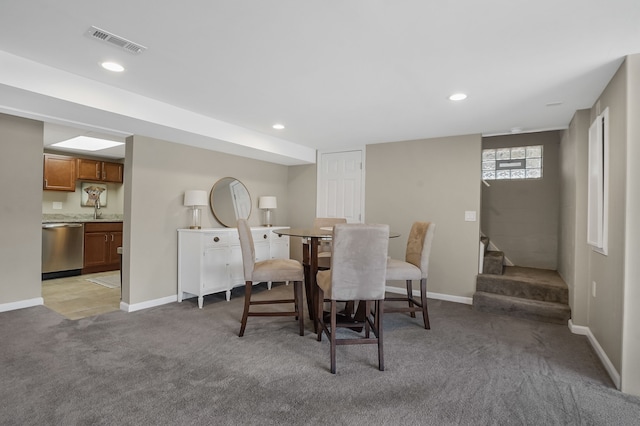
(312, 262)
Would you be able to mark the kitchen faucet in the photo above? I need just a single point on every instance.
(96, 207)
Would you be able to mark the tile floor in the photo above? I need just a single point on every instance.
(76, 298)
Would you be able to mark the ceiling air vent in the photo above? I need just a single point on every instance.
(122, 43)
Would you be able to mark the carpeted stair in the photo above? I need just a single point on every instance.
(530, 293)
(493, 260)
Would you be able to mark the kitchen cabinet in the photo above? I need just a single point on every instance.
(99, 171)
(59, 173)
(210, 260)
(101, 242)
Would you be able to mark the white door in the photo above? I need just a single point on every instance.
(340, 185)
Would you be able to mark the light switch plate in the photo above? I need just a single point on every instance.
(470, 216)
(57, 205)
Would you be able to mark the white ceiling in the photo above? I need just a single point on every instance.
(338, 74)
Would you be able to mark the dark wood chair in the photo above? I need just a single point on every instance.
(358, 270)
(414, 267)
(266, 271)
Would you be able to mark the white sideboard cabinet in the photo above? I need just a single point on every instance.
(210, 260)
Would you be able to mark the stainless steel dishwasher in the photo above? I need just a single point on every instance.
(62, 249)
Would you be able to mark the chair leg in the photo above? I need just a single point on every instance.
(378, 329)
(319, 318)
(247, 300)
(423, 300)
(297, 287)
(367, 327)
(332, 336)
(410, 297)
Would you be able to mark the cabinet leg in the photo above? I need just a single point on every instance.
(200, 300)
(228, 294)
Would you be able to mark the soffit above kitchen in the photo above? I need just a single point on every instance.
(219, 74)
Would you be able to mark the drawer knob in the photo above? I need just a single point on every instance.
(216, 239)
(264, 236)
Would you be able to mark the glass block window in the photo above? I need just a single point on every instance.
(523, 162)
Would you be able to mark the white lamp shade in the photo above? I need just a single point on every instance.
(195, 198)
(267, 202)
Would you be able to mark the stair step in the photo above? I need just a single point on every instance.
(525, 283)
(556, 313)
(485, 241)
(492, 262)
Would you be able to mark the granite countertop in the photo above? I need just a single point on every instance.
(80, 218)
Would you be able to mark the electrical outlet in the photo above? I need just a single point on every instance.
(57, 205)
(593, 288)
(470, 216)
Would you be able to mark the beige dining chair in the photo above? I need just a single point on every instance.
(414, 267)
(358, 270)
(324, 250)
(268, 271)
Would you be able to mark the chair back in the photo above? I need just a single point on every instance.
(321, 222)
(419, 245)
(248, 249)
(359, 261)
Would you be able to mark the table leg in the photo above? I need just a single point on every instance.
(313, 270)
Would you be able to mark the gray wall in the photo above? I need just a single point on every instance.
(158, 174)
(631, 330)
(611, 315)
(521, 216)
(572, 244)
(20, 210)
(302, 191)
(416, 181)
(606, 308)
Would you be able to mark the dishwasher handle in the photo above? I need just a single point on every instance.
(62, 225)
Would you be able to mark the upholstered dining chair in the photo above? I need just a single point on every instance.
(323, 222)
(414, 267)
(358, 270)
(268, 270)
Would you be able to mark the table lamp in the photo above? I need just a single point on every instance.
(267, 203)
(195, 199)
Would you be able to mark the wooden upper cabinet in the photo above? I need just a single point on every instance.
(89, 169)
(59, 173)
(112, 172)
(100, 171)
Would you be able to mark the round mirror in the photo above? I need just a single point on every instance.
(230, 201)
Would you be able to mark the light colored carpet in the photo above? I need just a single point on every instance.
(111, 281)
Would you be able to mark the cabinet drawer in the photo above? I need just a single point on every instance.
(275, 238)
(216, 239)
(260, 236)
(103, 227)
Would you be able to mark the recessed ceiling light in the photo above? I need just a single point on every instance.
(112, 66)
(278, 126)
(458, 97)
(516, 130)
(86, 143)
(557, 103)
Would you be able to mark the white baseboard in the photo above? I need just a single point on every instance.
(148, 304)
(21, 304)
(586, 331)
(431, 295)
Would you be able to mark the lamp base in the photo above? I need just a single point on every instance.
(195, 218)
(267, 218)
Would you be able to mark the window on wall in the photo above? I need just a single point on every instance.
(522, 162)
(598, 189)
